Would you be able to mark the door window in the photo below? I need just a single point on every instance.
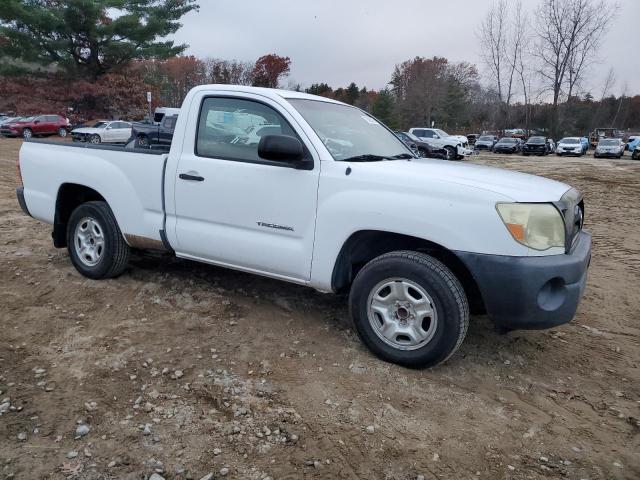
(231, 128)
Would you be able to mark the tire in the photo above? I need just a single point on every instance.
(62, 132)
(451, 153)
(142, 142)
(95, 139)
(419, 278)
(27, 133)
(109, 255)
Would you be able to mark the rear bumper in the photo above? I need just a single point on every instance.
(531, 292)
(21, 200)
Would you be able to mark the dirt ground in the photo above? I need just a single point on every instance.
(186, 370)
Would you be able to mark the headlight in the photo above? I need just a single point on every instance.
(535, 225)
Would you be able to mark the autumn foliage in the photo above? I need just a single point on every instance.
(112, 95)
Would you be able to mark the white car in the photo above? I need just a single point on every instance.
(457, 146)
(570, 146)
(104, 131)
(335, 202)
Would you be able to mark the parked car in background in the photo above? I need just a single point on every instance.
(516, 133)
(145, 135)
(585, 144)
(472, 137)
(39, 125)
(422, 148)
(9, 120)
(570, 146)
(507, 145)
(103, 131)
(635, 155)
(609, 147)
(485, 142)
(536, 146)
(456, 146)
(161, 112)
(632, 142)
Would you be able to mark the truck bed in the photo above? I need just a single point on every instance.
(130, 180)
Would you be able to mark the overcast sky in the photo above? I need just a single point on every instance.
(340, 41)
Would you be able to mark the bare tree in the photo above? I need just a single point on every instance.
(569, 34)
(502, 38)
(493, 39)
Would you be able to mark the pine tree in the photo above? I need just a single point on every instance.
(90, 37)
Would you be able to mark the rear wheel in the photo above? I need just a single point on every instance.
(142, 141)
(409, 308)
(62, 132)
(95, 243)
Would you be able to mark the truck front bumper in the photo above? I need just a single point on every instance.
(465, 152)
(531, 292)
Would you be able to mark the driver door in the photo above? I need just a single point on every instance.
(235, 209)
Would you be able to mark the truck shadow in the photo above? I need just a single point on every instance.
(482, 344)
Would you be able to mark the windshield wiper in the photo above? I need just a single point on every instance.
(403, 156)
(367, 157)
(370, 157)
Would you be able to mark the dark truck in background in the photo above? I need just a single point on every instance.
(148, 135)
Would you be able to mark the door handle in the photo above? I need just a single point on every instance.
(193, 178)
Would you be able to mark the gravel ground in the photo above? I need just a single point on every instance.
(181, 370)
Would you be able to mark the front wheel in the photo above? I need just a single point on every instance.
(451, 153)
(95, 139)
(95, 243)
(408, 308)
(27, 133)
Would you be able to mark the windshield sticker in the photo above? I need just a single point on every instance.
(369, 120)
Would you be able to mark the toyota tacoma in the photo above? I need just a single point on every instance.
(330, 198)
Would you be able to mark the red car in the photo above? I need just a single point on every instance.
(28, 127)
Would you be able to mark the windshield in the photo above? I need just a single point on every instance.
(99, 125)
(26, 119)
(536, 140)
(609, 142)
(442, 133)
(348, 132)
(412, 136)
(486, 138)
(507, 140)
(570, 141)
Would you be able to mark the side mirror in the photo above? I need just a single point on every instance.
(281, 148)
(35, 122)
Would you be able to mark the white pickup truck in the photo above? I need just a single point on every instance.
(456, 146)
(329, 198)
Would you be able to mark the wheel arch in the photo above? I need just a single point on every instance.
(69, 197)
(365, 245)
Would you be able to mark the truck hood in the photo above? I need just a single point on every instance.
(460, 138)
(507, 184)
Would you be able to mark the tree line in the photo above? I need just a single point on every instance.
(58, 56)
